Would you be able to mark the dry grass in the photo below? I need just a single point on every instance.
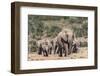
(83, 53)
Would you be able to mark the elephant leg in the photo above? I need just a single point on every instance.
(55, 50)
(50, 51)
(65, 49)
(69, 48)
(40, 51)
(45, 53)
(75, 48)
(60, 51)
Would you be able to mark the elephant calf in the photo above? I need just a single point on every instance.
(44, 47)
(54, 46)
(75, 46)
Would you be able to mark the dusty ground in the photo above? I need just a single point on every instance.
(83, 53)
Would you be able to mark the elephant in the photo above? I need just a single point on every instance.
(39, 47)
(54, 45)
(75, 46)
(49, 45)
(44, 47)
(65, 39)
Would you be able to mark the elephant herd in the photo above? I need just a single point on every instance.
(63, 44)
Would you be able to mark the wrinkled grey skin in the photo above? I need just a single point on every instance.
(65, 40)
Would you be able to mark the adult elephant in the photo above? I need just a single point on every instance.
(65, 39)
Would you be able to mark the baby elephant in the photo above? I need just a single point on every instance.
(44, 47)
(75, 46)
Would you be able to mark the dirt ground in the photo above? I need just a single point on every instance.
(83, 53)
